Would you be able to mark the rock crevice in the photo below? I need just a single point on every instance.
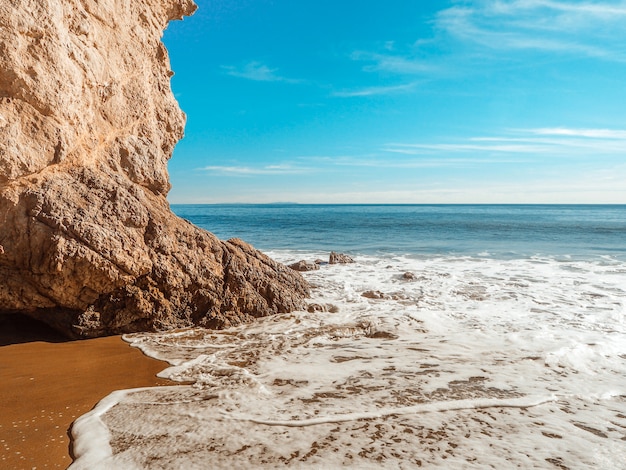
(87, 124)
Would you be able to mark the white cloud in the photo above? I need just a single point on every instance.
(488, 29)
(605, 10)
(379, 90)
(545, 142)
(589, 133)
(399, 64)
(257, 71)
(593, 29)
(402, 159)
(465, 147)
(253, 171)
(541, 191)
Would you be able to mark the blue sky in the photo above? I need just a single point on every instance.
(401, 101)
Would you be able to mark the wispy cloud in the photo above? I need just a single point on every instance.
(593, 29)
(404, 159)
(258, 72)
(570, 13)
(254, 171)
(588, 133)
(415, 149)
(474, 34)
(394, 63)
(480, 30)
(378, 90)
(559, 142)
(514, 146)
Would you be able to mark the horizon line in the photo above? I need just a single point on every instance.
(396, 204)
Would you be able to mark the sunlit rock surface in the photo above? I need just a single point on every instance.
(88, 122)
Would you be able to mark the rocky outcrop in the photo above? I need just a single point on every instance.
(87, 125)
(303, 266)
(339, 258)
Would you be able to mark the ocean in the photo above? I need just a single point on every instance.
(489, 336)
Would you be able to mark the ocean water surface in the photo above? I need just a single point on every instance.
(504, 348)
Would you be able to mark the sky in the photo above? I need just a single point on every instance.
(400, 101)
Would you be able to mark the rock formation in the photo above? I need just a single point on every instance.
(339, 258)
(87, 124)
(304, 266)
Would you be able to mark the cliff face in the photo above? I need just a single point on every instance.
(87, 124)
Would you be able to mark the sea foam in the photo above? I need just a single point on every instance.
(477, 362)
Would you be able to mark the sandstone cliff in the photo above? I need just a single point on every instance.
(87, 124)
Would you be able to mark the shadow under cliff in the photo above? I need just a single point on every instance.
(17, 329)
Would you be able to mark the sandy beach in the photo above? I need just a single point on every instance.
(46, 383)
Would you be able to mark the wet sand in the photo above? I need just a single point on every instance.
(46, 383)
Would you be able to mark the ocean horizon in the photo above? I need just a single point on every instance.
(500, 229)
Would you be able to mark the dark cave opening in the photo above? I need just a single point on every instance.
(16, 328)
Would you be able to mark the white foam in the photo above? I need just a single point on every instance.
(476, 363)
(433, 407)
(91, 445)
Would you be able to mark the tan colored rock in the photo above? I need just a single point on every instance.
(339, 258)
(374, 294)
(87, 124)
(304, 266)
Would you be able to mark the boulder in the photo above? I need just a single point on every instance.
(87, 124)
(315, 307)
(374, 294)
(339, 258)
(303, 266)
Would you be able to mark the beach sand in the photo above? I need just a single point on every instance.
(46, 383)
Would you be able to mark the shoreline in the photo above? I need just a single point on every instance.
(47, 382)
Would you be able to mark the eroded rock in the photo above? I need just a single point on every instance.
(304, 266)
(339, 258)
(315, 307)
(87, 124)
(375, 294)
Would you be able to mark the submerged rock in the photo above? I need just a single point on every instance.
(315, 307)
(374, 294)
(87, 124)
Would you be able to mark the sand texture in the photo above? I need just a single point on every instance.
(46, 383)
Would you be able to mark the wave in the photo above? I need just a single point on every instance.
(469, 362)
